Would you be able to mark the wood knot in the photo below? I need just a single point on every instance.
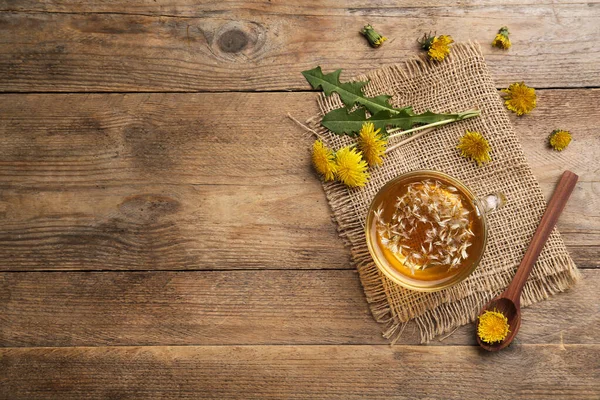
(233, 41)
(237, 40)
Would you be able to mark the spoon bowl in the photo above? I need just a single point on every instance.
(512, 312)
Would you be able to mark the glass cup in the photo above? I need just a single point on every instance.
(427, 231)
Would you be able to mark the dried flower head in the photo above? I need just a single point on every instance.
(501, 40)
(372, 144)
(437, 47)
(559, 139)
(492, 327)
(520, 98)
(374, 38)
(351, 168)
(430, 227)
(474, 146)
(323, 159)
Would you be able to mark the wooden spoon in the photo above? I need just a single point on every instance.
(509, 302)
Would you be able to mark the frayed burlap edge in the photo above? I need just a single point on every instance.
(458, 310)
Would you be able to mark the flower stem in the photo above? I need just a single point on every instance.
(410, 139)
(459, 117)
(427, 128)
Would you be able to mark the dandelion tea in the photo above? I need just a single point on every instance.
(428, 229)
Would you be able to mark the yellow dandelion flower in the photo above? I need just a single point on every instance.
(440, 47)
(437, 47)
(559, 139)
(474, 146)
(501, 40)
(323, 160)
(492, 327)
(520, 98)
(351, 168)
(372, 144)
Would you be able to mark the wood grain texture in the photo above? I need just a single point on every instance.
(156, 181)
(200, 139)
(264, 45)
(198, 8)
(558, 109)
(572, 110)
(239, 308)
(323, 372)
(172, 227)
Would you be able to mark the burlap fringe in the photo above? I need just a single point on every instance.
(460, 306)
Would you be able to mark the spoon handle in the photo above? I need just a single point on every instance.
(555, 207)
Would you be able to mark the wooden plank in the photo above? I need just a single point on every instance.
(169, 227)
(101, 139)
(238, 308)
(198, 8)
(97, 139)
(256, 46)
(155, 181)
(324, 372)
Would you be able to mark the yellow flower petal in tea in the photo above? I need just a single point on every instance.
(372, 144)
(351, 168)
(474, 146)
(501, 40)
(559, 139)
(323, 160)
(439, 48)
(492, 327)
(520, 98)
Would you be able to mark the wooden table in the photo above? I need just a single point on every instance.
(162, 234)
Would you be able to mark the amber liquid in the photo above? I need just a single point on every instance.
(434, 275)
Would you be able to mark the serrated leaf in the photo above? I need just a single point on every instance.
(341, 122)
(350, 92)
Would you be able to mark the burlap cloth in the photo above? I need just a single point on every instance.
(459, 83)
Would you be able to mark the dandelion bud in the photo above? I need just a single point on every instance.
(374, 38)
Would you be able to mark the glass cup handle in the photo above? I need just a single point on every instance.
(493, 202)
